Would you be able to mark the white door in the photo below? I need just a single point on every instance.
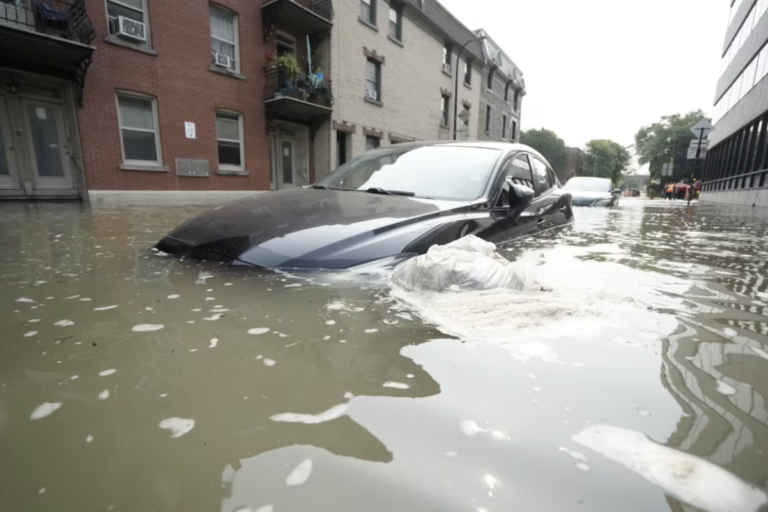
(9, 177)
(46, 138)
(286, 162)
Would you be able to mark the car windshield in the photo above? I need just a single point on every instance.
(445, 172)
(589, 184)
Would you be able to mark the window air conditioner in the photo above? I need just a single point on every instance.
(131, 29)
(371, 95)
(446, 68)
(222, 60)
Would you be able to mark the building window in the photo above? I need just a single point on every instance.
(513, 131)
(224, 44)
(504, 127)
(506, 91)
(135, 10)
(371, 142)
(286, 44)
(488, 118)
(137, 117)
(229, 139)
(368, 11)
(395, 21)
(490, 78)
(445, 102)
(447, 58)
(372, 80)
(516, 100)
(341, 148)
(468, 72)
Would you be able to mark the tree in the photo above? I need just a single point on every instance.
(605, 159)
(549, 145)
(667, 141)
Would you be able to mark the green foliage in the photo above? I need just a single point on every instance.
(549, 145)
(666, 140)
(605, 159)
(289, 64)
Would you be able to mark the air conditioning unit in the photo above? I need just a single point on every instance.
(371, 95)
(446, 68)
(222, 60)
(131, 29)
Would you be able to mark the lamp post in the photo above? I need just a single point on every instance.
(456, 84)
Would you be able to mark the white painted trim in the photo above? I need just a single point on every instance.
(107, 198)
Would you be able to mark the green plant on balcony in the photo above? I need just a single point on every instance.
(289, 66)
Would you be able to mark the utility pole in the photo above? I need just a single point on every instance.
(456, 84)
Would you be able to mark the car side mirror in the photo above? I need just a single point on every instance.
(520, 198)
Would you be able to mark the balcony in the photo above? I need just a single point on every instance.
(46, 36)
(303, 98)
(298, 16)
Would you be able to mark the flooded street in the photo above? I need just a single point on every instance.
(131, 381)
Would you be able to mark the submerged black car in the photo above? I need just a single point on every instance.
(387, 205)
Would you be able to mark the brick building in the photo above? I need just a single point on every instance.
(132, 100)
(501, 95)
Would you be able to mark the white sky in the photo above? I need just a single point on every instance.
(601, 69)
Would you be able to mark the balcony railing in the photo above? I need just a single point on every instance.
(311, 89)
(323, 8)
(67, 19)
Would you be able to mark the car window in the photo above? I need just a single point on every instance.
(552, 176)
(543, 179)
(517, 170)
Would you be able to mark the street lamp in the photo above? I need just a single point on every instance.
(456, 85)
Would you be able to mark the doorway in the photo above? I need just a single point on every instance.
(290, 156)
(46, 139)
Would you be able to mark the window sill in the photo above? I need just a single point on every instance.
(444, 126)
(143, 48)
(446, 73)
(223, 71)
(468, 86)
(373, 102)
(398, 42)
(232, 172)
(368, 24)
(144, 167)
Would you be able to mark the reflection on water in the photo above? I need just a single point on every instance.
(344, 397)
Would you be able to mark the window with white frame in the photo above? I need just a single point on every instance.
(373, 80)
(395, 22)
(225, 50)
(135, 10)
(368, 11)
(447, 58)
(139, 135)
(229, 139)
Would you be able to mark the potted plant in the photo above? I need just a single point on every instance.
(288, 66)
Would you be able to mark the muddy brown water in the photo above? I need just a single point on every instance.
(661, 327)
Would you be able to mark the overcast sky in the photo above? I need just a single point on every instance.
(601, 69)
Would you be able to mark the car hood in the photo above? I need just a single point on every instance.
(310, 228)
(586, 195)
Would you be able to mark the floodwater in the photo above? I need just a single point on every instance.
(634, 378)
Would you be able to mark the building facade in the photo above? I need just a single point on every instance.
(501, 94)
(736, 167)
(129, 100)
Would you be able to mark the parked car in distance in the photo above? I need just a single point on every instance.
(386, 205)
(587, 191)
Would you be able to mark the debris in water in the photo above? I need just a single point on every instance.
(269, 362)
(689, 479)
(64, 323)
(371, 331)
(300, 474)
(178, 426)
(396, 385)
(106, 373)
(44, 410)
(334, 412)
(24, 299)
(105, 308)
(30, 334)
(258, 330)
(104, 395)
(214, 317)
(147, 327)
(89, 438)
(173, 296)
(348, 395)
(214, 342)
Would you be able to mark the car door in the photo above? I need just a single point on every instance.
(504, 223)
(547, 200)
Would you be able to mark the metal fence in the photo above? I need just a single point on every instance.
(62, 18)
(278, 85)
(322, 8)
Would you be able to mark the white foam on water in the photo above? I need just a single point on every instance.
(147, 327)
(106, 373)
(105, 308)
(214, 317)
(89, 438)
(330, 322)
(210, 298)
(214, 342)
(348, 395)
(300, 474)
(30, 334)
(178, 426)
(85, 299)
(25, 299)
(725, 388)
(578, 456)
(730, 332)
(104, 395)
(762, 353)
(294, 285)
(470, 428)
(269, 362)
(228, 284)
(196, 310)
(582, 466)
(396, 385)
(41, 490)
(688, 478)
(532, 375)
(371, 331)
(331, 414)
(72, 297)
(326, 338)
(219, 310)
(409, 376)
(256, 331)
(33, 321)
(44, 410)
(64, 323)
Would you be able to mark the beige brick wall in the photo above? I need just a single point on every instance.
(412, 79)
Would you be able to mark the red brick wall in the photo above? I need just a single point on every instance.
(186, 90)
